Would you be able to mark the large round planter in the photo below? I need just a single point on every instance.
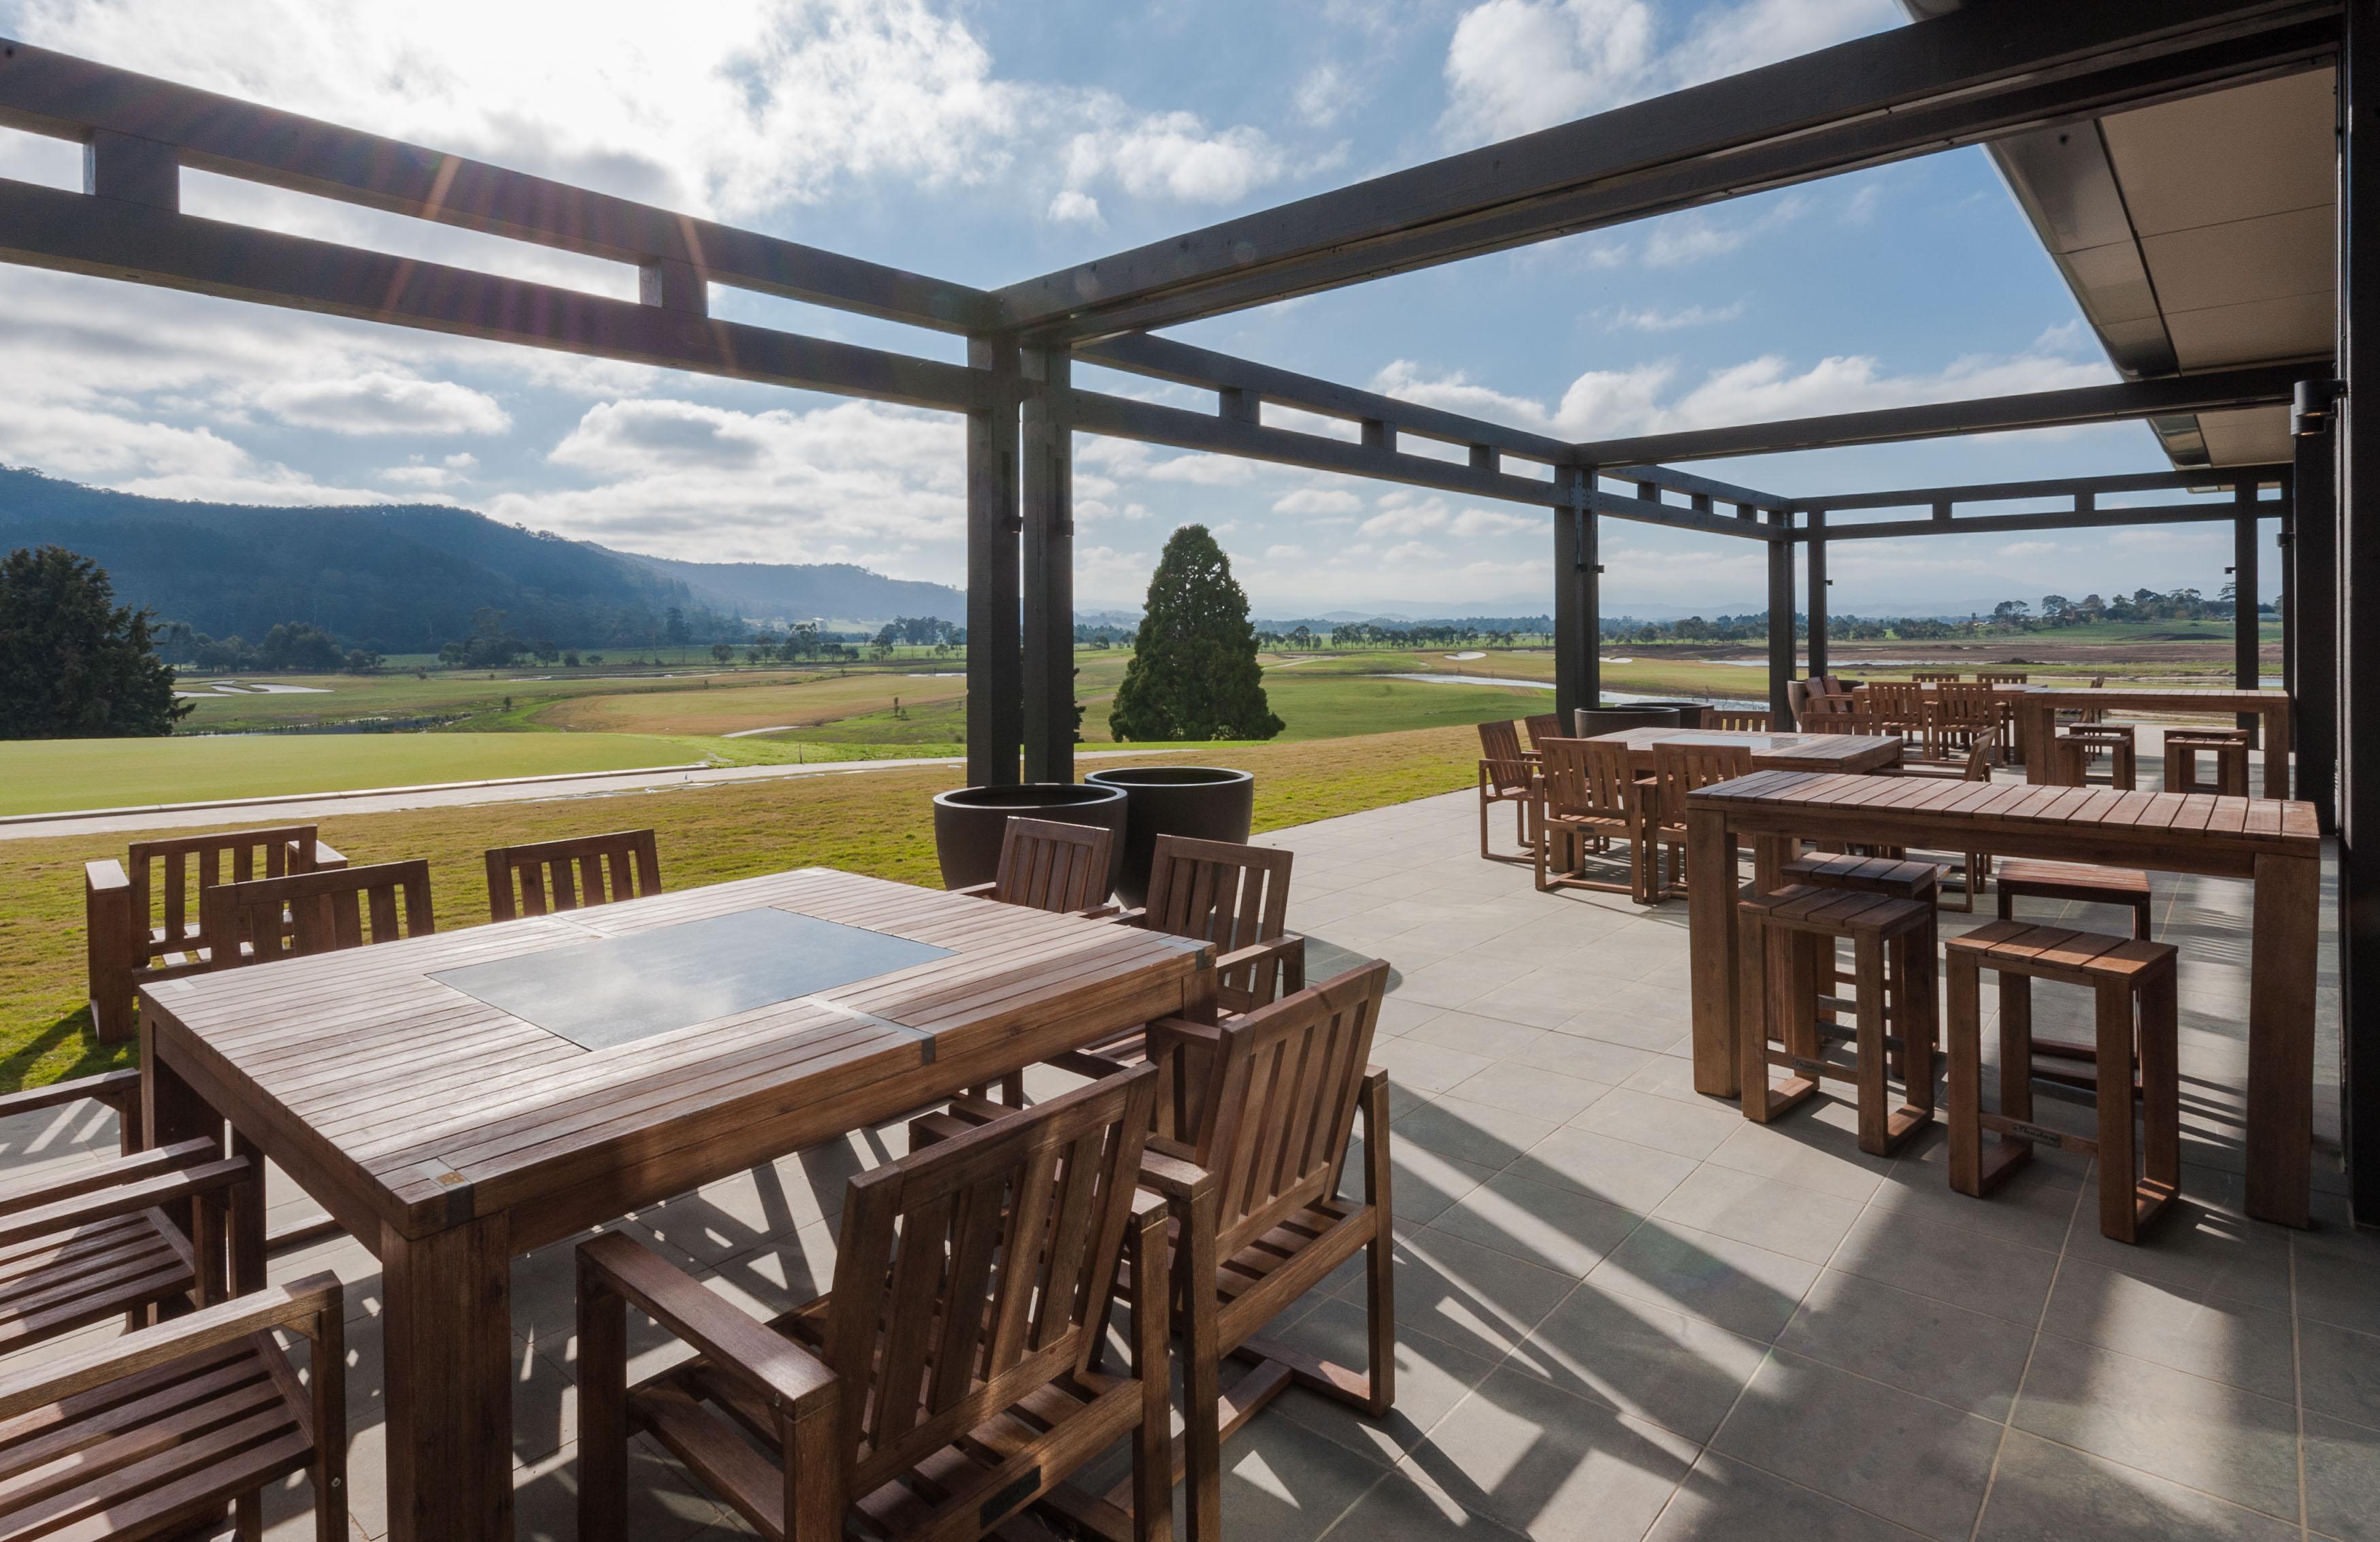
(1690, 713)
(1206, 803)
(970, 823)
(1594, 720)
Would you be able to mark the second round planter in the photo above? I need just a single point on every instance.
(1206, 803)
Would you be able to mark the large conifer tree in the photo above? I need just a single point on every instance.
(1194, 672)
(74, 664)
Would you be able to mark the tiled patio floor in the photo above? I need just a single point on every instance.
(1625, 1312)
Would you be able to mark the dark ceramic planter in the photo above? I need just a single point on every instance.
(1594, 720)
(1206, 803)
(1690, 713)
(970, 823)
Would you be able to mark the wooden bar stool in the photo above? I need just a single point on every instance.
(1894, 1009)
(2081, 881)
(2133, 984)
(2080, 743)
(1873, 874)
(2230, 748)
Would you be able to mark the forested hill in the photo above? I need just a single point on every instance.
(408, 578)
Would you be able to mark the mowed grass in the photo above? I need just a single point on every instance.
(876, 823)
(42, 775)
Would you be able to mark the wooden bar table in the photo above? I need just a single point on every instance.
(2274, 843)
(2040, 708)
(456, 1100)
(1823, 752)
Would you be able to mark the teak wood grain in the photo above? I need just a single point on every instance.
(2037, 715)
(449, 1135)
(2274, 844)
(1832, 752)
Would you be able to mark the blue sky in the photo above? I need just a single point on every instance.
(986, 143)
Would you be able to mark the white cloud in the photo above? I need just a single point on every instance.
(1515, 66)
(1316, 500)
(1172, 155)
(1074, 208)
(2031, 549)
(1653, 319)
(1283, 554)
(1323, 94)
(1203, 470)
(379, 402)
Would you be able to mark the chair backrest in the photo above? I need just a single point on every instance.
(174, 876)
(1936, 679)
(316, 913)
(1729, 719)
(1979, 759)
(567, 875)
(1587, 776)
(976, 1270)
(1797, 695)
(1983, 679)
(1281, 1101)
(1052, 866)
(1835, 685)
(1966, 705)
(1218, 892)
(1826, 712)
(1895, 700)
(1499, 741)
(1684, 767)
(1543, 726)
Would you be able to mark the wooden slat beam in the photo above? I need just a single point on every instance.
(2046, 487)
(2069, 519)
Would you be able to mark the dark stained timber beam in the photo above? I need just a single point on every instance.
(2069, 519)
(64, 97)
(1979, 72)
(2048, 487)
(2258, 386)
(1153, 423)
(107, 238)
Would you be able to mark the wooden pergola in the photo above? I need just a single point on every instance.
(1977, 75)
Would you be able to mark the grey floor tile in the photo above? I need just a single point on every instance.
(2189, 1430)
(1546, 1463)
(1532, 1090)
(1799, 1222)
(2206, 1335)
(1492, 1037)
(1450, 1125)
(1682, 1129)
(1965, 1268)
(1543, 1223)
(1886, 1451)
(2200, 1247)
(1680, 1372)
(1478, 1300)
(2342, 1471)
(1426, 1067)
(2047, 1493)
(1616, 1172)
(1588, 1059)
(1431, 1377)
(1967, 1359)
(2341, 1371)
(1421, 1183)
(1285, 1483)
(1727, 1502)
(1744, 1288)
(2334, 1276)
(1803, 1151)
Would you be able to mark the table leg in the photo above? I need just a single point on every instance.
(2280, 1038)
(171, 1112)
(2276, 749)
(1710, 916)
(2040, 736)
(449, 1383)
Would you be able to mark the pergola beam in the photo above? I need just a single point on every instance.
(2046, 487)
(2258, 385)
(2063, 519)
(110, 238)
(64, 97)
(1973, 73)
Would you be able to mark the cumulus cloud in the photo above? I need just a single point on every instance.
(1653, 319)
(1171, 155)
(1075, 208)
(379, 402)
(1316, 500)
(1203, 470)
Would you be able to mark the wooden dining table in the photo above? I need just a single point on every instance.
(456, 1100)
(2273, 845)
(2038, 713)
(1832, 752)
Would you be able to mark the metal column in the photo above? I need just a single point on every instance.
(2247, 636)
(2313, 630)
(2358, 617)
(995, 700)
(1048, 495)
(1816, 546)
(1780, 619)
(1578, 601)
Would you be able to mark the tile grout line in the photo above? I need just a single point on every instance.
(2016, 1398)
(2297, 1385)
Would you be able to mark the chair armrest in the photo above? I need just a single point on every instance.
(979, 890)
(120, 1089)
(88, 1177)
(121, 1199)
(1083, 1063)
(1165, 1032)
(1287, 947)
(103, 875)
(779, 1368)
(1105, 911)
(302, 1305)
(1138, 916)
(1180, 1181)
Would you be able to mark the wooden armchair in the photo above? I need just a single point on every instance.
(1542, 726)
(1047, 865)
(1960, 714)
(316, 913)
(1236, 897)
(1255, 1116)
(1680, 770)
(83, 1245)
(948, 1379)
(144, 919)
(1589, 794)
(154, 1434)
(1507, 774)
(1732, 720)
(566, 875)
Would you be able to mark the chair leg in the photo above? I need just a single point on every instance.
(1201, 1416)
(1152, 1444)
(1380, 1270)
(2119, 1166)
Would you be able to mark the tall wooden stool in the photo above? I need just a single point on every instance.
(2077, 745)
(1893, 972)
(1883, 871)
(2230, 748)
(2064, 1060)
(2133, 983)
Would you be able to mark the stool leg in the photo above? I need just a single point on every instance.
(2141, 920)
(1920, 1024)
(2160, 1094)
(2016, 1046)
(1881, 1127)
(2119, 1167)
(1965, 990)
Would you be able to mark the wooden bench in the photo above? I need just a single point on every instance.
(2135, 1005)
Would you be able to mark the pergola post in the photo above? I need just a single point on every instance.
(1816, 546)
(2314, 628)
(2247, 636)
(1780, 619)
(1048, 495)
(2358, 618)
(1578, 608)
(995, 698)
